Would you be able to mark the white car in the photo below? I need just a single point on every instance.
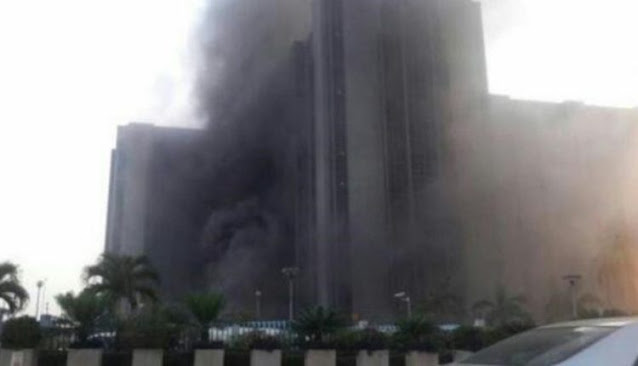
(593, 342)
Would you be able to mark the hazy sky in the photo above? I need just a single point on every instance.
(72, 70)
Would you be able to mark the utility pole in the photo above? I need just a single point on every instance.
(291, 273)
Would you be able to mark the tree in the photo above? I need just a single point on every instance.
(317, 323)
(12, 294)
(83, 310)
(504, 309)
(205, 309)
(21, 333)
(124, 281)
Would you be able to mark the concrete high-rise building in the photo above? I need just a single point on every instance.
(373, 85)
(364, 149)
(158, 200)
(389, 77)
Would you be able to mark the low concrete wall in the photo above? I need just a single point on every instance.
(265, 358)
(209, 357)
(320, 358)
(421, 359)
(25, 357)
(374, 358)
(84, 357)
(148, 357)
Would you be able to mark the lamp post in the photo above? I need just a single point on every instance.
(402, 296)
(39, 284)
(290, 273)
(572, 281)
(257, 304)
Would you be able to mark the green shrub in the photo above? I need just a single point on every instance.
(256, 340)
(317, 326)
(21, 333)
(52, 358)
(372, 340)
(417, 334)
(468, 338)
(149, 328)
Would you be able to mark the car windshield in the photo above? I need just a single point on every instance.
(540, 347)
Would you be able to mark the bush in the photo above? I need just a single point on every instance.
(257, 340)
(208, 345)
(317, 326)
(21, 333)
(372, 340)
(52, 358)
(89, 343)
(468, 339)
(417, 334)
(147, 329)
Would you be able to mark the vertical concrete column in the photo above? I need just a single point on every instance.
(148, 357)
(209, 357)
(265, 358)
(373, 358)
(416, 358)
(320, 358)
(84, 357)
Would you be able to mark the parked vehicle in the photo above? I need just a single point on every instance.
(593, 342)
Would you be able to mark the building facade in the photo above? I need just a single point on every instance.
(368, 152)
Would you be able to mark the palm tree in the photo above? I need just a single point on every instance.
(315, 324)
(83, 310)
(205, 309)
(12, 294)
(504, 309)
(124, 281)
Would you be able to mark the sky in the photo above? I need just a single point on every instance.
(72, 70)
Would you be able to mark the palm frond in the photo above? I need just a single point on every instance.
(14, 295)
(205, 307)
(8, 271)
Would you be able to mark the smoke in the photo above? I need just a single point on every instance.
(241, 247)
(528, 191)
(245, 85)
(543, 189)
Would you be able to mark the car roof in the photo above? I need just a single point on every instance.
(600, 322)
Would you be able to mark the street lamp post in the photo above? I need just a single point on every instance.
(258, 304)
(402, 296)
(37, 300)
(290, 273)
(572, 281)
